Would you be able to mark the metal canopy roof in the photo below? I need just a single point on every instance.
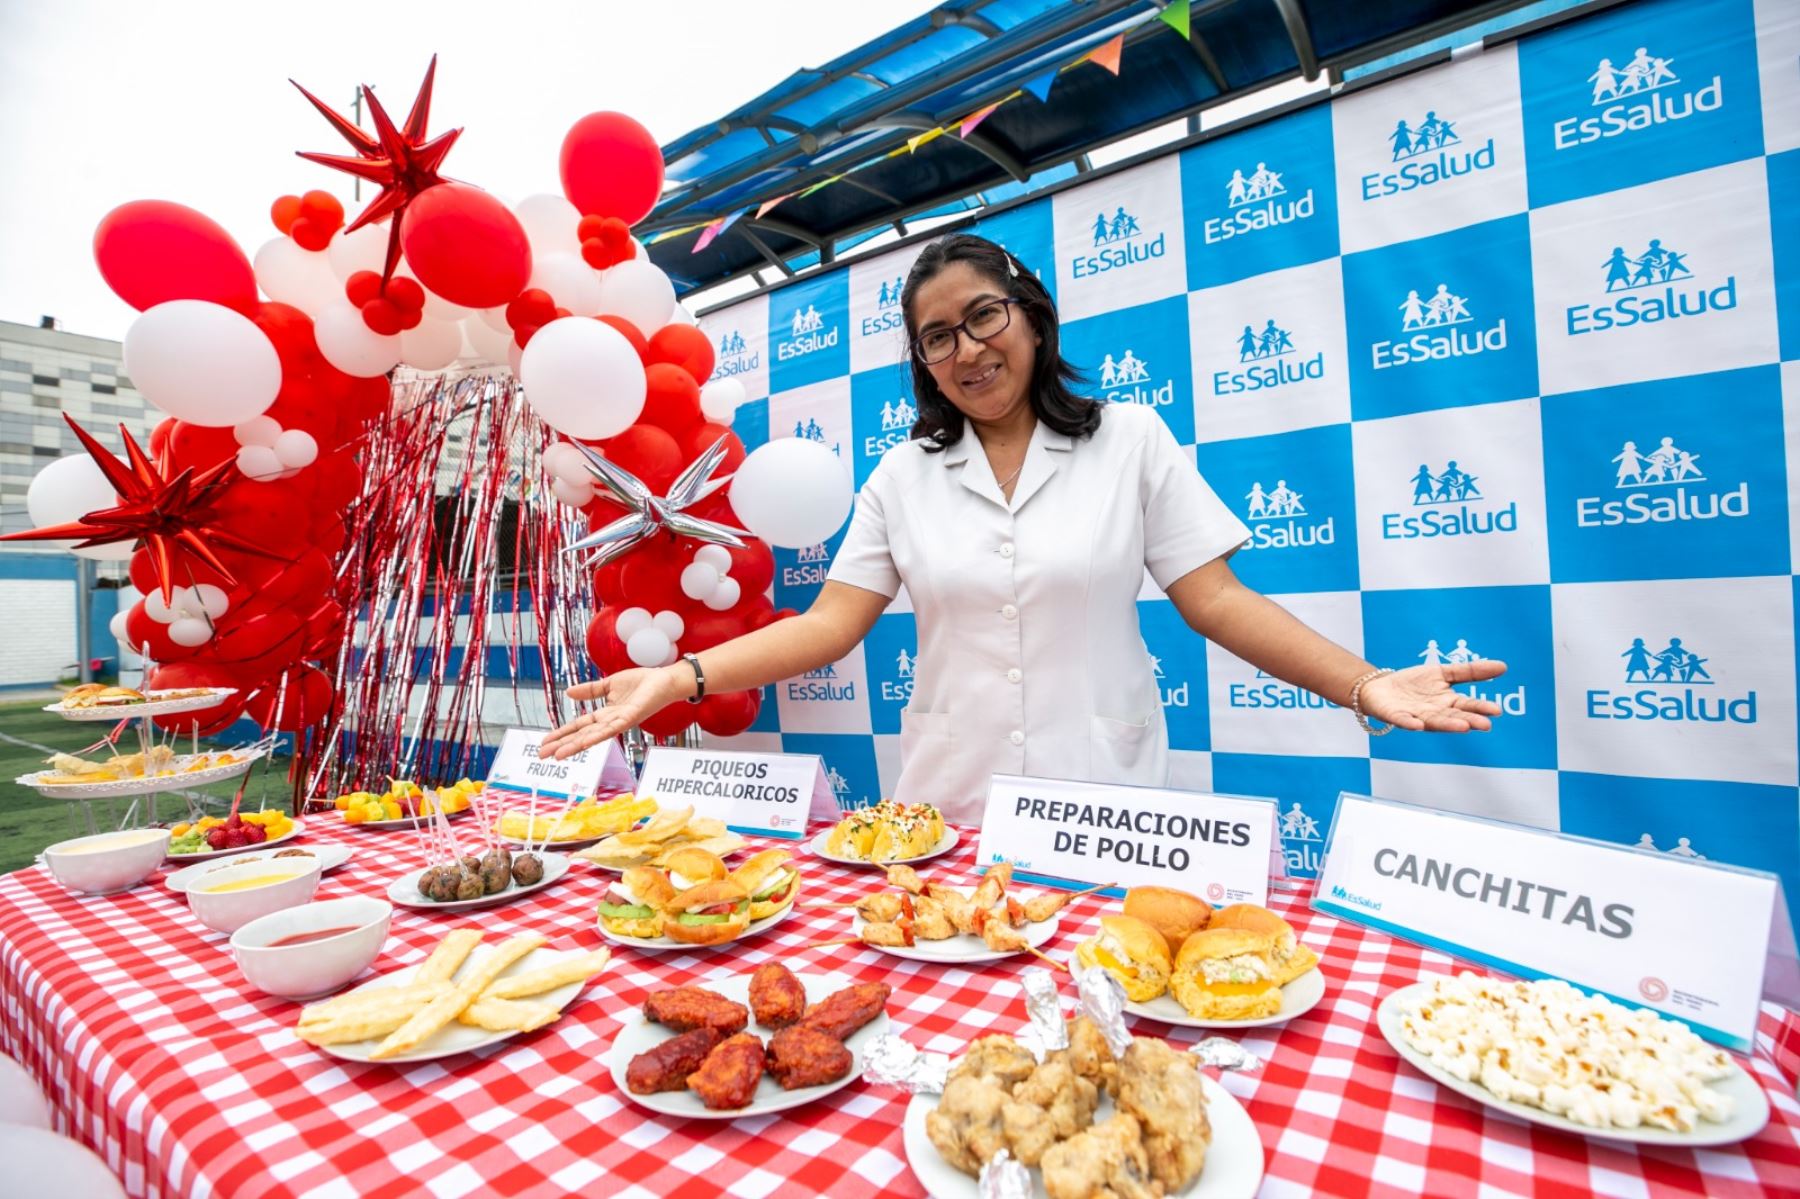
(940, 67)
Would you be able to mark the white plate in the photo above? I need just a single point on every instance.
(405, 889)
(208, 855)
(945, 844)
(456, 1038)
(404, 821)
(330, 858)
(1750, 1105)
(961, 949)
(638, 1034)
(171, 781)
(153, 707)
(660, 944)
(1297, 998)
(1234, 1160)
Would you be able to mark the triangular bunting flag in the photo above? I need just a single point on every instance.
(707, 236)
(1108, 55)
(821, 183)
(768, 204)
(913, 143)
(974, 119)
(1176, 17)
(1040, 87)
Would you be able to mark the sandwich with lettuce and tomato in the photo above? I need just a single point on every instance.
(770, 880)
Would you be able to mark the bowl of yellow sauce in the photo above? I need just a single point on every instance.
(106, 862)
(230, 897)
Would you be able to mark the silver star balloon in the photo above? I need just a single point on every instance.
(646, 514)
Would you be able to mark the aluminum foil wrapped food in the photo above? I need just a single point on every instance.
(1103, 1002)
(1226, 1054)
(1004, 1178)
(1043, 1006)
(894, 1062)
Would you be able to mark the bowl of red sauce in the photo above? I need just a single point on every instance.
(313, 949)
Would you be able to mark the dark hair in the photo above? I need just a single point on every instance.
(940, 424)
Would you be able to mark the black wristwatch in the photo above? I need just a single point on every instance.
(699, 678)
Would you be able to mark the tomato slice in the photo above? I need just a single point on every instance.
(906, 907)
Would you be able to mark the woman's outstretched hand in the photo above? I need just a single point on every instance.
(1421, 698)
(631, 696)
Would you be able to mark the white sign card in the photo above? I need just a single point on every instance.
(1069, 834)
(770, 794)
(1687, 938)
(598, 769)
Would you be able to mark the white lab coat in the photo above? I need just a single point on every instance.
(1030, 660)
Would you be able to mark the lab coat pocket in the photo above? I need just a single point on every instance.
(1121, 749)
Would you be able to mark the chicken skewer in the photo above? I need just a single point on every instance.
(1046, 904)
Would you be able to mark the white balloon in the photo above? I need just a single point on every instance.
(791, 492)
(639, 292)
(437, 308)
(258, 430)
(488, 343)
(583, 378)
(715, 556)
(720, 398)
(211, 600)
(571, 282)
(515, 358)
(681, 316)
(259, 464)
(296, 448)
(68, 489)
(431, 345)
(631, 620)
(202, 362)
(698, 580)
(573, 494)
(351, 346)
(190, 631)
(291, 275)
(563, 461)
(670, 623)
(724, 596)
(551, 224)
(669, 658)
(116, 626)
(649, 647)
(495, 319)
(39, 1162)
(156, 610)
(364, 250)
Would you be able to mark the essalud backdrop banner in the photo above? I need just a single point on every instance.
(1496, 359)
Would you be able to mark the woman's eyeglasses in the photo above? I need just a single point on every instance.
(987, 321)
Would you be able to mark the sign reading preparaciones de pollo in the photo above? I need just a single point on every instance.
(1059, 832)
(598, 769)
(1688, 938)
(771, 794)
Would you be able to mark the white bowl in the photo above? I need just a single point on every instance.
(228, 911)
(106, 862)
(312, 968)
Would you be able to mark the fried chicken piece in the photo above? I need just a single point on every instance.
(967, 1127)
(907, 879)
(930, 921)
(1052, 1105)
(963, 913)
(1002, 937)
(841, 1013)
(803, 1056)
(727, 1079)
(993, 885)
(686, 1008)
(666, 1067)
(776, 997)
(883, 907)
(1161, 1087)
(1046, 904)
(1090, 1055)
(890, 936)
(1000, 1059)
(1107, 1161)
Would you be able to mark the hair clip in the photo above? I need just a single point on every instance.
(1012, 266)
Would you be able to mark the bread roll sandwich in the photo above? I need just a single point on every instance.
(1225, 974)
(1290, 958)
(1132, 952)
(633, 905)
(1174, 914)
(770, 880)
(709, 914)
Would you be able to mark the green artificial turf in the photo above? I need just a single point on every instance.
(30, 821)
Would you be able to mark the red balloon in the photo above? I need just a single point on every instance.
(611, 166)
(649, 453)
(291, 333)
(702, 439)
(728, 713)
(465, 246)
(305, 701)
(631, 334)
(672, 402)
(603, 644)
(609, 582)
(284, 212)
(684, 346)
(152, 251)
(159, 436)
(757, 612)
(206, 721)
(753, 566)
(669, 722)
(142, 631)
(706, 628)
(649, 580)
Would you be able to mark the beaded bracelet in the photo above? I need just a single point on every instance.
(1362, 718)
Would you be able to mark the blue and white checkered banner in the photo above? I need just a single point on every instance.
(1500, 359)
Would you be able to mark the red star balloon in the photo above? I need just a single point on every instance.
(172, 516)
(399, 160)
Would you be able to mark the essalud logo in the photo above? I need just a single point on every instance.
(1448, 503)
(1126, 380)
(1173, 695)
(899, 688)
(1278, 519)
(1661, 487)
(1656, 285)
(1642, 94)
(1426, 154)
(1683, 847)
(1512, 702)
(887, 309)
(811, 430)
(897, 419)
(820, 685)
(1673, 685)
(1270, 692)
(1268, 360)
(735, 357)
(1255, 203)
(1435, 335)
(814, 563)
(809, 335)
(1300, 839)
(1119, 241)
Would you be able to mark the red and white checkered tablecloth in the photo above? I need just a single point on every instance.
(154, 1051)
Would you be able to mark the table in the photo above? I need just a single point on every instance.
(154, 1052)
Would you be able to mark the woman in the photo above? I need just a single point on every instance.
(1021, 519)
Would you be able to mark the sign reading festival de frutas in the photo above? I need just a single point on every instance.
(740, 340)
(1453, 498)
(1678, 678)
(809, 340)
(1294, 493)
(1261, 199)
(1669, 278)
(1268, 353)
(1139, 355)
(1646, 91)
(877, 326)
(1432, 152)
(1643, 928)
(1253, 712)
(1646, 480)
(1120, 241)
